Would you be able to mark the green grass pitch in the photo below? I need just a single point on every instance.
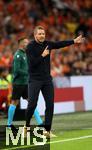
(74, 132)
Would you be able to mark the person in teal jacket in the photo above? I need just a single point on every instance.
(20, 81)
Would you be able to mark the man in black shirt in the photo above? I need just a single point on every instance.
(38, 55)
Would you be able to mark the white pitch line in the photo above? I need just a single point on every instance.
(72, 139)
(59, 141)
(86, 128)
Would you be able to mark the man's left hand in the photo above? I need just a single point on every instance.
(79, 40)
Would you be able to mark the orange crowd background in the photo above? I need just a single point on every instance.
(66, 21)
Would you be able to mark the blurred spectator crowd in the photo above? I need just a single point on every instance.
(62, 19)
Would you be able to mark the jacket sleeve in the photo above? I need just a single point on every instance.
(60, 44)
(17, 65)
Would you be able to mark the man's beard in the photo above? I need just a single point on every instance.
(41, 41)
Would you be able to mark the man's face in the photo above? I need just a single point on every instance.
(40, 35)
(25, 43)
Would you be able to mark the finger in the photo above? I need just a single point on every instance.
(46, 47)
(80, 36)
(46, 51)
(83, 39)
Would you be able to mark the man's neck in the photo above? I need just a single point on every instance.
(21, 48)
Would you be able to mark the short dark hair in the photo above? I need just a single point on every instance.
(21, 39)
(38, 28)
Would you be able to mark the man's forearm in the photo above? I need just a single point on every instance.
(60, 44)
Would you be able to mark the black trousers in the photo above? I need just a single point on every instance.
(47, 90)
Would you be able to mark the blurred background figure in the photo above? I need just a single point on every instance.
(4, 90)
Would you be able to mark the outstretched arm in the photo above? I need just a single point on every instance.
(61, 44)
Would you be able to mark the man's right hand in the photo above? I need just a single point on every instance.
(45, 52)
